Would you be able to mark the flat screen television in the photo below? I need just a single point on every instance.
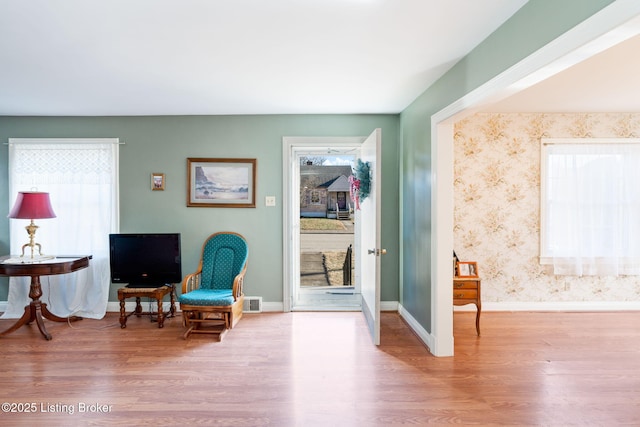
(144, 259)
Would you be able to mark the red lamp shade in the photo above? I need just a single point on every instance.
(32, 205)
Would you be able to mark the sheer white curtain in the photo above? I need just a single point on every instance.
(81, 176)
(592, 192)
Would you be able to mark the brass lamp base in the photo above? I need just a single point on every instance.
(31, 230)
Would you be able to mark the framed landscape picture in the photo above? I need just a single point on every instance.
(221, 183)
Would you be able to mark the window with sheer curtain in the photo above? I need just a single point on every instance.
(81, 176)
(590, 206)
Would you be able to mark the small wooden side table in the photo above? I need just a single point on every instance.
(466, 290)
(155, 293)
(37, 310)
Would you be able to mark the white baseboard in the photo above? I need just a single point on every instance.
(272, 307)
(507, 306)
(555, 306)
(114, 306)
(279, 307)
(389, 305)
(417, 328)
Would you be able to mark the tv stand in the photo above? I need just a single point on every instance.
(146, 285)
(156, 293)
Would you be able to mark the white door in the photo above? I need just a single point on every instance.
(367, 239)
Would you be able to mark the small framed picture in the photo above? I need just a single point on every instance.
(467, 269)
(157, 181)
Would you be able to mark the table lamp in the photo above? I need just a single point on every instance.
(32, 205)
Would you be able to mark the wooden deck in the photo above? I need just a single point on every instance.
(320, 369)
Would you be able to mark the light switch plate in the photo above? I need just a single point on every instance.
(270, 201)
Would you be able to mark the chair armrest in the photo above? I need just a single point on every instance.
(238, 282)
(191, 282)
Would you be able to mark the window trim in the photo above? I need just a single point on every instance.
(544, 258)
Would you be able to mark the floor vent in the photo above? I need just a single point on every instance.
(252, 305)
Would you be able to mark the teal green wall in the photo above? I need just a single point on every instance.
(537, 23)
(163, 143)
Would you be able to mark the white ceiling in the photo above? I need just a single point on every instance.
(174, 57)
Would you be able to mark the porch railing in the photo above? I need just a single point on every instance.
(342, 214)
(346, 268)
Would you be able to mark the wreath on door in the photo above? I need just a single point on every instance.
(360, 182)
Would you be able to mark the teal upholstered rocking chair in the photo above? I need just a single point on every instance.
(212, 297)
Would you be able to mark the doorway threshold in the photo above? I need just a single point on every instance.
(326, 308)
(328, 299)
(338, 290)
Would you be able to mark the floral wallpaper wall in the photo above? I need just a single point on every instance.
(497, 205)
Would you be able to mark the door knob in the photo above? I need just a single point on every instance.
(377, 252)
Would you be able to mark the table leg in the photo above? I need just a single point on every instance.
(49, 315)
(123, 313)
(25, 319)
(160, 313)
(36, 310)
(172, 297)
(35, 307)
(35, 313)
(138, 307)
(478, 318)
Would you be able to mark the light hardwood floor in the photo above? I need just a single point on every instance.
(320, 369)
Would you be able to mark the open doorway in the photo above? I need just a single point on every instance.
(327, 224)
(319, 224)
(606, 28)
